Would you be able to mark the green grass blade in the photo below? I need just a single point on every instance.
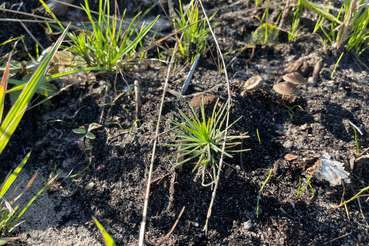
(134, 42)
(107, 238)
(16, 112)
(319, 10)
(13, 176)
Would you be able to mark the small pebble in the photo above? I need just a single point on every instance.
(303, 127)
(247, 225)
(90, 186)
(288, 144)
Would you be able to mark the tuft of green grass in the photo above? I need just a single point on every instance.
(203, 139)
(350, 28)
(195, 31)
(109, 43)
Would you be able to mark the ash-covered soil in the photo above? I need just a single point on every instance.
(114, 174)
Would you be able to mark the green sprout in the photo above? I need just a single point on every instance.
(203, 139)
(356, 141)
(257, 133)
(260, 191)
(290, 110)
(294, 31)
(357, 195)
(87, 134)
(299, 190)
(195, 33)
(86, 145)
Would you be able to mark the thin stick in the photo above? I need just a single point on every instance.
(358, 201)
(146, 202)
(353, 125)
(171, 230)
(334, 239)
(227, 121)
(138, 101)
(30, 34)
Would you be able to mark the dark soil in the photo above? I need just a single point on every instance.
(113, 186)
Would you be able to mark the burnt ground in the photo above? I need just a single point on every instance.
(112, 188)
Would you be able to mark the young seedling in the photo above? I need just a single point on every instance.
(357, 143)
(260, 191)
(86, 134)
(299, 190)
(290, 110)
(257, 133)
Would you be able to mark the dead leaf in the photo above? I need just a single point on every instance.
(290, 157)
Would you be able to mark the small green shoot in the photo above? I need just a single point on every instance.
(257, 133)
(294, 31)
(203, 139)
(260, 191)
(290, 110)
(121, 127)
(355, 196)
(335, 66)
(108, 240)
(87, 134)
(356, 141)
(115, 99)
(299, 190)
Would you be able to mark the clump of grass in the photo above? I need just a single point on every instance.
(350, 29)
(109, 43)
(203, 139)
(195, 31)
